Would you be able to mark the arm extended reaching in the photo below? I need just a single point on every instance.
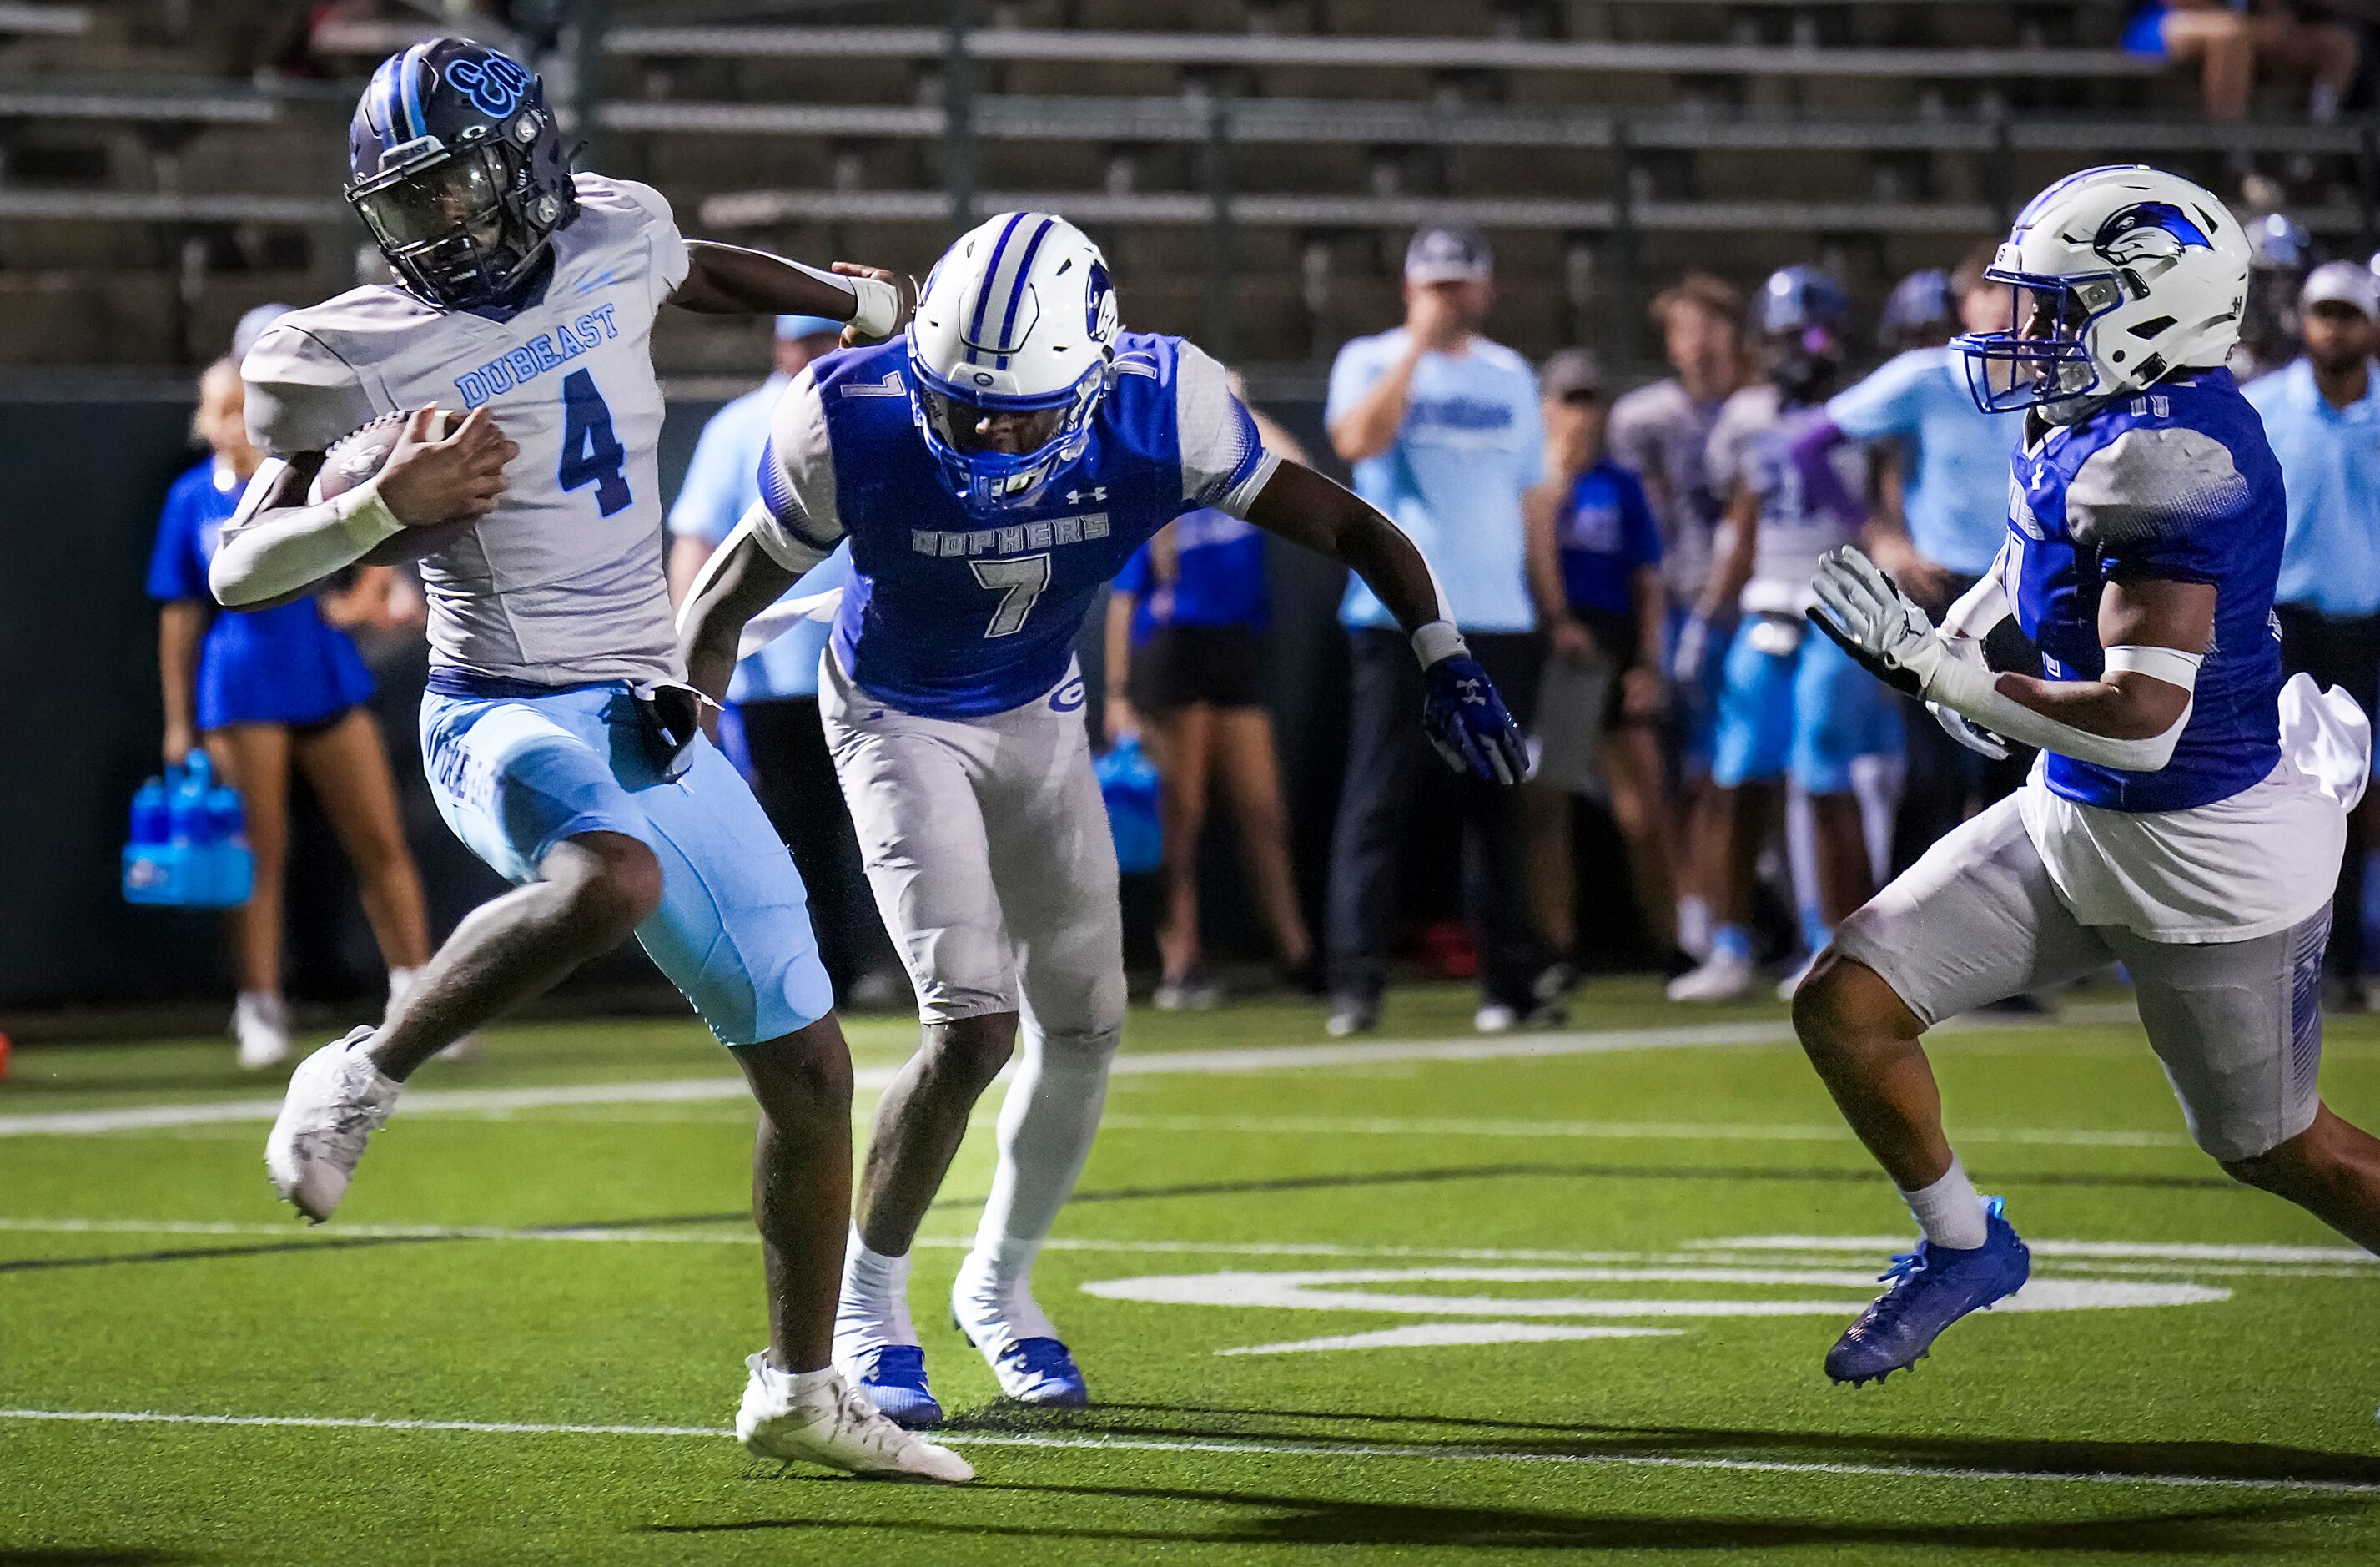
(732, 279)
(1462, 712)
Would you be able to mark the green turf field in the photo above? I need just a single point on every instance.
(1450, 1299)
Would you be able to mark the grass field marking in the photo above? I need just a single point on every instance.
(1209, 1062)
(1649, 1131)
(1331, 1291)
(1435, 1335)
(1264, 1450)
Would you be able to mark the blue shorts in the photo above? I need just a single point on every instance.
(1804, 713)
(1693, 705)
(514, 776)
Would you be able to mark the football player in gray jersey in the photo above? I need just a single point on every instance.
(558, 733)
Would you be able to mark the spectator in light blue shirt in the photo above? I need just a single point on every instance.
(2322, 413)
(772, 728)
(1445, 434)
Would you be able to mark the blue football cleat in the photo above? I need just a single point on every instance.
(1929, 1289)
(894, 1378)
(1041, 1374)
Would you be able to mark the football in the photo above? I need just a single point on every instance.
(355, 457)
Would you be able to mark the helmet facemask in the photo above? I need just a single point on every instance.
(2046, 358)
(460, 229)
(1000, 449)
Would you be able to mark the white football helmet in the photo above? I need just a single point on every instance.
(2121, 273)
(1009, 351)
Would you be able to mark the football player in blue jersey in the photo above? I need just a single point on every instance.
(2187, 815)
(558, 733)
(993, 471)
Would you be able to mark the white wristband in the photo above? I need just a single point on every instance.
(365, 517)
(877, 312)
(1436, 640)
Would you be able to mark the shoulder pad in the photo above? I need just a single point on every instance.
(2152, 483)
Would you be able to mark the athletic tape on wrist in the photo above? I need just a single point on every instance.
(364, 516)
(1436, 640)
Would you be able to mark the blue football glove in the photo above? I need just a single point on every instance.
(1466, 721)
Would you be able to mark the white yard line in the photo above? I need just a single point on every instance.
(2257, 1261)
(1213, 1062)
(1257, 1449)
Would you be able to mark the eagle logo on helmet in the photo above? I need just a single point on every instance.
(2148, 231)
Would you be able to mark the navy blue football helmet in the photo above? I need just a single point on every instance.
(1800, 316)
(456, 166)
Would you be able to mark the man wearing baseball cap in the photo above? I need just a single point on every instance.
(2322, 413)
(1444, 430)
(773, 697)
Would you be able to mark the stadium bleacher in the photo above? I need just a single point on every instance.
(1603, 144)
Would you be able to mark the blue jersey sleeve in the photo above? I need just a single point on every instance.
(178, 564)
(1886, 402)
(1135, 577)
(1640, 535)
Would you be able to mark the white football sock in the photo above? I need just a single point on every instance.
(1950, 1211)
(1046, 1125)
(874, 1308)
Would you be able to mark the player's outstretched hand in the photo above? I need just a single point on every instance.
(1466, 721)
(885, 300)
(429, 480)
(1868, 616)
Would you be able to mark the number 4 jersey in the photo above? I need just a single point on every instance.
(562, 583)
(957, 613)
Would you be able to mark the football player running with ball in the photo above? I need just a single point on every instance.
(991, 473)
(2187, 814)
(557, 732)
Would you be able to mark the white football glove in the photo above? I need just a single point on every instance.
(1870, 618)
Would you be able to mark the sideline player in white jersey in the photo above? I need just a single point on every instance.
(991, 473)
(2187, 813)
(557, 731)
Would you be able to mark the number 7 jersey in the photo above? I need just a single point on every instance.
(956, 613)
(562, 583)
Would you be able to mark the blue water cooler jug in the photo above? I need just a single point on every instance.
(1128, 783)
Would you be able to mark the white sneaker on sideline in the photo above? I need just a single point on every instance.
(468, 1048)
(1495, 1019)
(260, 1021)
(1722, 977)
(338, 1099)
(834, 1423)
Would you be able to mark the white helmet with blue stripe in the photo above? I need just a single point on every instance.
(2121, 274)
(1009, 351)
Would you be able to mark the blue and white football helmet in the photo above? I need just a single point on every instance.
(1009, 355)
(2121, 273)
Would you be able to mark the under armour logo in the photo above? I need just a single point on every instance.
(1468, 693)
(1075, 497)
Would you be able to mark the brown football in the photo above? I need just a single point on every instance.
(360, 454)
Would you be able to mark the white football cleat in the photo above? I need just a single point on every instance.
(1723, 975)
(835, 1425)
(260, 1021)
(338, 1099)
